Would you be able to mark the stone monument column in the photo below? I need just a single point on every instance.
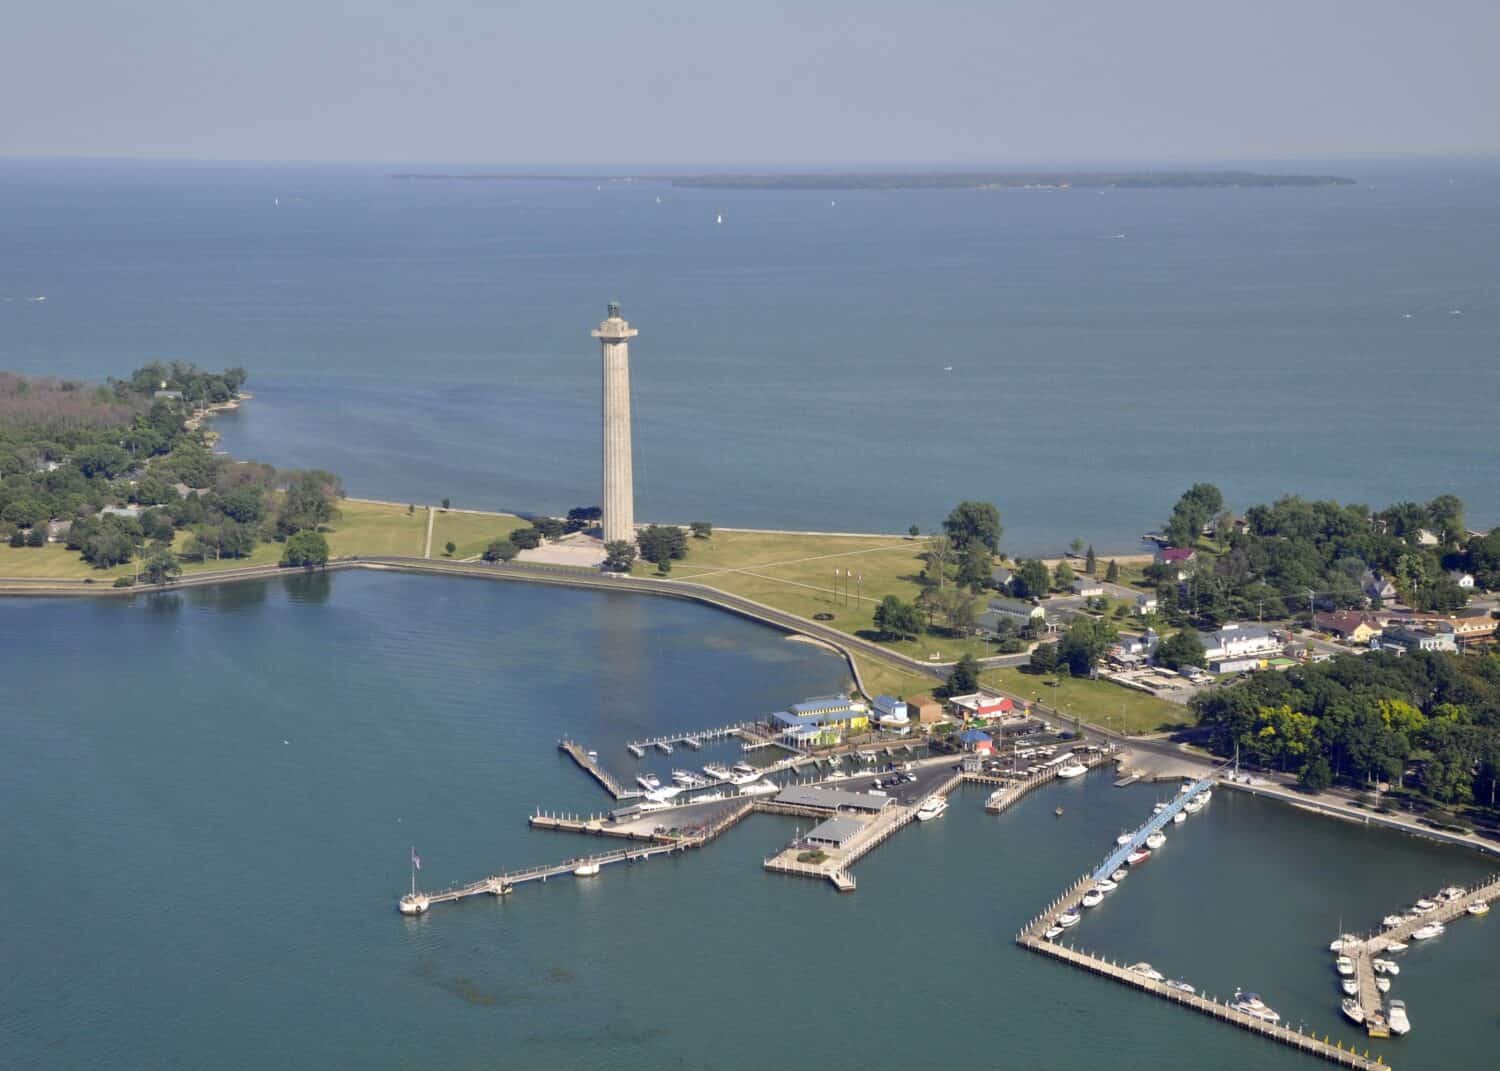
(614, 336)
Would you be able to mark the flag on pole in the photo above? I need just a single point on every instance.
(416, 860)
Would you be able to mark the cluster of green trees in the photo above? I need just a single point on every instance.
(1425, 721)
(955, 573)
(1079, 651)
(1296, 552)
(662, 544)
(198, 387)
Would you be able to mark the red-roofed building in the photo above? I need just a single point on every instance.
(1180, 559)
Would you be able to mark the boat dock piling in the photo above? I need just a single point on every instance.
(600, 774)
(693, 738)
(1365, 952)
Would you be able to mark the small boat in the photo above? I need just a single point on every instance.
(1398, 1022)
(932, 807)
(585, 870)
(1179, 818)
(1344, 965)
(1073, 769)
(1058, 812)
(1431, 930)
(1053, 932)
(1119, 875)
(1422, 907)
(1124, 839)
(1194, 805)
(1093, 898)
(593, 756)
(1105, 885)
(1452, 892)
(1352, 1011)
(1350, 986)
(1149, 971)
(718, 771)
(1397, 946)
(662, 795)
(838, 775)
(1391, 921)
(1338, 943)
(650, 782)
(1156, 840)
(1251, 1004)
(743, 768)
(1385, 966)
(760, 788)
(1181, 987)
(1140, 855)
(1383, 984)
(1068, 918)
(1478, 907)
(1158, 808)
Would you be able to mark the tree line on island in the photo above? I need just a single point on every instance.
(124, 472)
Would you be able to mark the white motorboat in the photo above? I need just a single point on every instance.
(1140, 855)
(1119, 875)
(1338, 943)
(1124, 839)
(1149, 971)
(662, 795)
(1073, 769)
(1053, 932)
(1391, 921)
(1452, 892)
(1422, 907)
(1068, 918)
(1093, 898)
(1352, 1011)
(1478, 907)
(1194, 805)
(1397, 946)
(586, 870)
(1383, 984)
(1179, 818)
(1181, 987)
(1251, 1004)
(932, 807)
(1349, 986)
(1385, 966)
(650, 782)
(743, 768)
(1344, 965)
(1105, 885)
(1431, 930)
(594, 756)
(1156, 840)
(686, 779)
(718, 771)
(760, 788)
(1158, 808)
(1399, 1023)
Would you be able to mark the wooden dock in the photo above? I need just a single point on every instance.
(1365, 952)
(692, 738)
(1020, 789)
(600, 774)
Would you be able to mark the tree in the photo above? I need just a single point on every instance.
(1032, 580)
(1112, 574)
(1184, 648)
(500, 550)
(103, 459)
(938, 560)
(306, 548)
(449, 547)
(243, 504)
(310, 501)
(445, 505)
(550, 527)
(660, 542)
(1063, 576)
(580, 517)
(1091, 562)
(37, 536)
(1076, 547)
(1085, 644)
(965, 676)
(972, 521)
(914, 531)
(975, 565)
(619, 555)
(1194, 510)
(17, 538)
(1316, 775)
(897, 619)
(161, 567)
(1043, 658)
(526, 538)
(701, 529)
(958, 608)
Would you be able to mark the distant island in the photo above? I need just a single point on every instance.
(937, 180)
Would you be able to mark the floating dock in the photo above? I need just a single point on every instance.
(599, 773)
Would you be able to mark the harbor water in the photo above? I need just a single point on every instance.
(210, 798)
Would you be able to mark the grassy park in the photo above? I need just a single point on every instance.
(471, 532)
(1098, 702)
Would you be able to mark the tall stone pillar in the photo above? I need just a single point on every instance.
(614, 336)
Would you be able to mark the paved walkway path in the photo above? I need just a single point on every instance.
(431, 516)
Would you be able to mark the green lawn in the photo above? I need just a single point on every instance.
(471, 531)
(1099, 702)
(370, 528)
(883, 678)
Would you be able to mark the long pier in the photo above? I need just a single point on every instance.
(1365, 952)
(693, 738)
(600, 774)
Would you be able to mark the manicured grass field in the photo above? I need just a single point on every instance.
(52, 562)
(471, 531)
(375, 528)
(1100, 702)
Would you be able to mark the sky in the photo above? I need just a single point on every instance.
(702, 82)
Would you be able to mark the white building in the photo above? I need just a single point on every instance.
(1234, 643)
(1088, 586)
(1462, 579)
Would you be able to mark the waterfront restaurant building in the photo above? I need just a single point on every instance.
(821, 721)
(981, 743)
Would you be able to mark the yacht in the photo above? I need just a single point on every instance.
(593, 756)
(1105, 885)
(1179, 818)
(1338, 943)
(932, 807)
(1053, 933)
(1399, 1023)
(1093, 898)
(1194, 805)
(1068, 918)
(1181, 987)
(1392, 921)
(1422, 907)
(1149, 971)
(685, 779)
(662, 795)
(1349, 986)
(586, 870)
(1344, 965)
(1073, 769)
(1383, 984)
(717, 770)
(760, 788)
(743, 768)
(1251, 1004)
(1452, 892)
(1479, 907)
(1140, 855)
(1156, 840)
(650, 782)
(1432, 929)
(1352, 1011)
(1385, 966)
(1397, 946)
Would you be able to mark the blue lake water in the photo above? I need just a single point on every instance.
(430, 339)
(209, 797)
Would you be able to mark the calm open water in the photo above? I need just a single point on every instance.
(209, 797)
(430, 339)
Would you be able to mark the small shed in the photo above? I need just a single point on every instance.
(977, 740)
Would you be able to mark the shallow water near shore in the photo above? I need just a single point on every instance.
(211, 794)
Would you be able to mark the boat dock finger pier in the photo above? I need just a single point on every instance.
(694, 739)
(599, 773)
